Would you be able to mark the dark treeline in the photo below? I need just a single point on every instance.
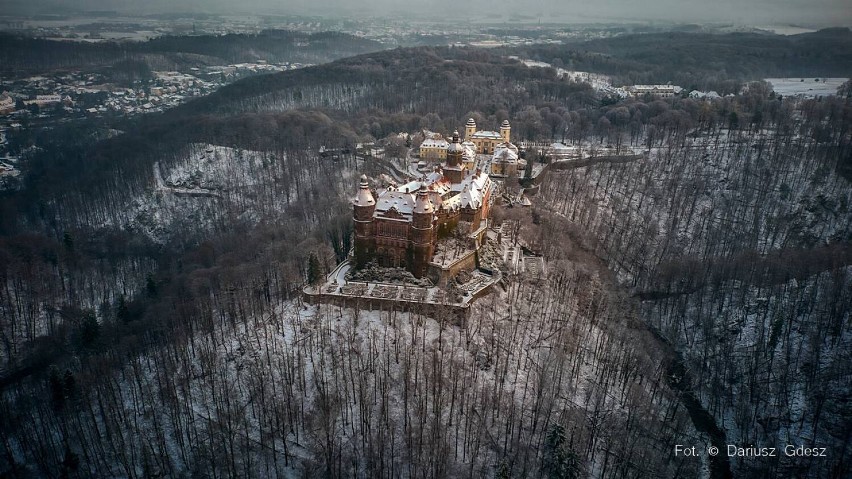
(704, 61)
(21, 54)
(439, 88)
(442, 81)
(372, 97)
(270, 45)
(70, 241)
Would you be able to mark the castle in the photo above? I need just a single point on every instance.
(504, 159)
(487, 141)
(504, 154)
(402, 226)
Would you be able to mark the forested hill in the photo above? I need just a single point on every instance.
(440, 80)
(701, 59)
(441, 76)
(20, 54)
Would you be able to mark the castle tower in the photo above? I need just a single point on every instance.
(455, 157)
(363, 206)
(455, 151)
(469, 129)
(422, 234)
(505, 131)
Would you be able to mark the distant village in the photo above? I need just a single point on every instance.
(65, 96)
(92, 93)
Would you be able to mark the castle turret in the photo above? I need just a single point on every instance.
(469, 129)
(455, 157)
(422, 234)
(505, 131)
(363, 207)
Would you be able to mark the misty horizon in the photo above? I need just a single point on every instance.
(821, 13)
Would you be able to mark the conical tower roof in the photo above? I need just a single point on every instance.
(364, 197)
(423, 204)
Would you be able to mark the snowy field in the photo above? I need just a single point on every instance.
(806, 87)
(786, 29)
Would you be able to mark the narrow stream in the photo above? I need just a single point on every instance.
(680, 381)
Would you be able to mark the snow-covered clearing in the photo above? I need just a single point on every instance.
(811, 87)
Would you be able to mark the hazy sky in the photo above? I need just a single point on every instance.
(755, 12)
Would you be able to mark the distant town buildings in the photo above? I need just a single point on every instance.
(603, 83)
(94, 94)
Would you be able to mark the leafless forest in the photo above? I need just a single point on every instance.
(737, 244)
(151, 322)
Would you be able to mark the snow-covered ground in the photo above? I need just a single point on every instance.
(210, 183)
(714, 204)
(770, 334)
(806, 87)
(786, 29)
(298, 390)
(34, 309)
(716, 176)
(599, 82)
